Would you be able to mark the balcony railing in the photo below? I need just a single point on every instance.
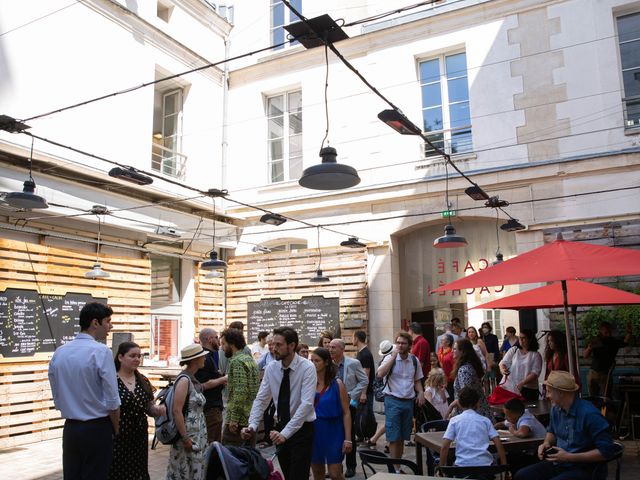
(631, 107)
(168, 162)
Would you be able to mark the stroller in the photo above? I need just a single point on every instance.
(237, 463)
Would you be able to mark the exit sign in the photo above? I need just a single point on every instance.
(448, 213)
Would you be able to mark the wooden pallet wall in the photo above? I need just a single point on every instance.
(209, 306)
(26, 408)
(288, 273)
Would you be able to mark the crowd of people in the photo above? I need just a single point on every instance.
(305, 401)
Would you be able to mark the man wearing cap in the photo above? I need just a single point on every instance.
(84, 387)
(577, 436)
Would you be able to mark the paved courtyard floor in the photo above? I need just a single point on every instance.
(44, 461)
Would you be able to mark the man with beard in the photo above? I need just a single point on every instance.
(212, 383)
(242, 385)
(290, 381)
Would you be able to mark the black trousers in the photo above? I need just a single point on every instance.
(294, 455)
(351, 456)
(267, 419)
(87, 449)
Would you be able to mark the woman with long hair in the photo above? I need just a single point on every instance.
(325, 339)
(468, 372)
(131, 446)
(556, 356)
(480, 348)
(186, 457)
(522, 365)
(332, 428)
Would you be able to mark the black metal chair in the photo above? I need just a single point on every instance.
(368, 458)
(474, 472)
(433, 426)
(600, 472)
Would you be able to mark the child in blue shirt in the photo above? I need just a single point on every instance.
(472, 433)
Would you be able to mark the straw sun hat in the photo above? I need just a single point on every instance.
(385, 347)
(561, 380)
(192, 351)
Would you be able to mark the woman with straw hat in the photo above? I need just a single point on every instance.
(186, 458)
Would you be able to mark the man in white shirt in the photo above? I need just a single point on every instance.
(403, 385)
(259, 347)
(290, 381)
(85, 390)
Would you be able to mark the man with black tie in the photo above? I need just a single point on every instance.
(290, 381)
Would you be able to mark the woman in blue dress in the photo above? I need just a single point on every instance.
(332, 427)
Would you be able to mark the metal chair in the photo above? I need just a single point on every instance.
(600, 472)
(474, 472)
(433, 426)
(368, 458)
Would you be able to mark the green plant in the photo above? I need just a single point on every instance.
(590, 322)
(628, 314)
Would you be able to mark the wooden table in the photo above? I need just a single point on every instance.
(393, 476)
(435, 440)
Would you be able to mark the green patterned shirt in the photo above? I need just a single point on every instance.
(242, 384)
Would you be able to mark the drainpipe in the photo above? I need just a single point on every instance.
(225, 102)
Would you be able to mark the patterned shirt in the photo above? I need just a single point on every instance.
(243, 383)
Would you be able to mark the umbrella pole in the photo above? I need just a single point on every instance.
(567, 327)
(574, 314)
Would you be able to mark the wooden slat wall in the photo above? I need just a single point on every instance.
(26, 409)
(209, 302)
(288, 273)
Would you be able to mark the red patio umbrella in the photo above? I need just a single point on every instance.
(558, 260)
(579, 294)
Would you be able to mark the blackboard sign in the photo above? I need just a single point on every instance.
(309, 316)
(25, 328)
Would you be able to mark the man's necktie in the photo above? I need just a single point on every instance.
(284, 396)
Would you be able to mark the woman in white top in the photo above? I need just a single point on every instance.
(480, 348)
(435, 392)
(522, 365)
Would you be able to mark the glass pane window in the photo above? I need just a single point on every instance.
(284, 127)
(629, 45)
(445, 103)
(166, 155)
(280, 16)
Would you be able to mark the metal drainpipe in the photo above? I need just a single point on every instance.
(224, 154)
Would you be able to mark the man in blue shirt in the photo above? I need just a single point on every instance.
(84, 387)
(577, 436)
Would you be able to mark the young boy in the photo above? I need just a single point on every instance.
(519, 421)
(471, 432)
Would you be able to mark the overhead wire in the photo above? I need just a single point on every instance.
(31, 22)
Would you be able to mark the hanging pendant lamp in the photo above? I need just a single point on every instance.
(26, 199)
(97, 271)
(450, 239)
(213, 263)
(329, 174)
(319, 277)
(215, 274)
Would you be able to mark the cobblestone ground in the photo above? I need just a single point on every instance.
(44, 461)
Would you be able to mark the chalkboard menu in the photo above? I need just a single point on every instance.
(309, 316)
(32, 323)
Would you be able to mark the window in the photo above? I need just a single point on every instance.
(493, 317)
(281, 16)
(284, 118)
(286, 245)
(445, 104)
(629, 44)
(166, 157)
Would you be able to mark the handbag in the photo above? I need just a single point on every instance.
(365, 421)
(501, 395)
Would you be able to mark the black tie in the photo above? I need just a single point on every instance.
(284, 396)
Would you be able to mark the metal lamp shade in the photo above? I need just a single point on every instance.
(450, 239)
(97, 272)
(319, 277)
(213, 263)
(26, 198)
(329, 175)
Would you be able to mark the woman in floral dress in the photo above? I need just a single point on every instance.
(186, 458)
(468, 372)
(131, 446)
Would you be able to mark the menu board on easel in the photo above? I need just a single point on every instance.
(309, 316)
(31, 323)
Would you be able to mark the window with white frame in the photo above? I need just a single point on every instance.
(166, 155)
(445, 104)
(284, 119)
(281, 16)
(493, 317)
(629, 44)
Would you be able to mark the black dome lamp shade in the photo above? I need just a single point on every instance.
(319, 277)
(450, 239)
(26, 199)
(329, 174)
